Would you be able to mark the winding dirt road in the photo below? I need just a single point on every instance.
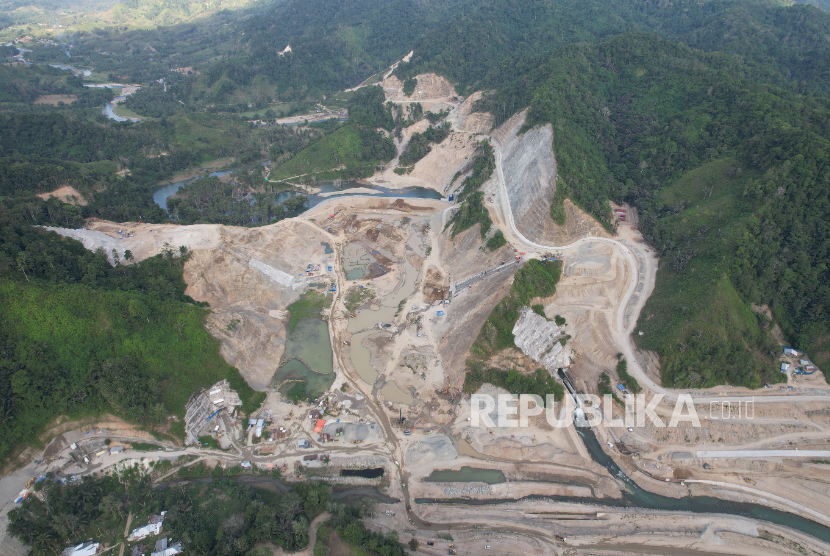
(622, 333)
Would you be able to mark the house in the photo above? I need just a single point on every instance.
(83, 549)
(116, 449)
(318, 427)
(790, 351)
(804, 362)
(785, 367)
(165, 549)
(302, 443)
(153, 527)
(314, 414)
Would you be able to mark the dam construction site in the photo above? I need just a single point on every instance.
(366, 319)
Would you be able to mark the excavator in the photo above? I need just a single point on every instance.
(407, 432)
(447, 389)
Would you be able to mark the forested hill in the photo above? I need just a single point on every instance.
(475, 47)
(731, 178)
(80, 337)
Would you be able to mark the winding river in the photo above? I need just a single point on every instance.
(636, 497)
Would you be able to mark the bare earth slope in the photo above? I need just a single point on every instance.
(530, 176)
(248, 275)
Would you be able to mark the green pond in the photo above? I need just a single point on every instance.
(309, 341)
(308, 357)
(466, 475)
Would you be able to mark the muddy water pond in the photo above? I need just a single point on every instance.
(308, 357)
(357, 260)
(393, 393)
(361, 358)
(386, 312)
(309, 342)
(466, 475)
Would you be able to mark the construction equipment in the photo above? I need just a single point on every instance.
(408, 431)
(447, 389)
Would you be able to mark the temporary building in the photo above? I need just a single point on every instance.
(319, 425)
(83, 549)
(146, 531)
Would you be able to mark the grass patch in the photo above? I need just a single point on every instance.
(484, 163)
(409, 86)
(497, 241)
(629, 381)
(471, 212)
(210, 442)
(539, 383)
(356, 297)
(350, 152)
(308, 306)
(604, 388)
(535, 279)
(145, 447)
(195, 471)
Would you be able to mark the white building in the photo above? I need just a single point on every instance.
(83, 549)
(149, 530)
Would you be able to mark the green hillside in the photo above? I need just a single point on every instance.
(79, 337)
(707, 149)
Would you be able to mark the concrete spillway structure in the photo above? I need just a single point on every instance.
(538, 338)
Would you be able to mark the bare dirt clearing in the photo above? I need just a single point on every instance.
(67, 194)
(55, 100)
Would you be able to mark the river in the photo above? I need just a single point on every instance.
(161, 194)
(109, 108)
(636, 497)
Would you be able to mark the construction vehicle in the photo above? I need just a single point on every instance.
(447, 389)
(750, 481)
(30, 483)
(408, 431)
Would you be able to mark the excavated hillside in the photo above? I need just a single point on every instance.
(247, 275)
(462, 257)
(529, 170)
